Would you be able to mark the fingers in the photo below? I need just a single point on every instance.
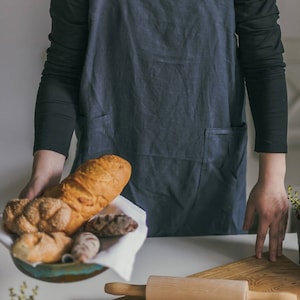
(276, 231)
(274, 245)
(276, 237)
(260, 239)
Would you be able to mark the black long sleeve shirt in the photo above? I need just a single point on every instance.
(259, 52)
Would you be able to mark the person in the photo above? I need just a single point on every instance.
(162, 84)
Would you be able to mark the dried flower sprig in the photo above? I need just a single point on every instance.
(294, 198)
(22, 293)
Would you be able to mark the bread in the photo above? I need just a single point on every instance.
(41, 214)
(85, 246)
(67, 206)
(110, 225)
(13, 209)
(92, 187)
(41, 247)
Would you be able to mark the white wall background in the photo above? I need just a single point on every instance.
(24, 26)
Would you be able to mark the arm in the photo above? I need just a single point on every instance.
(57, 99)
(56, 105)
(260, 54)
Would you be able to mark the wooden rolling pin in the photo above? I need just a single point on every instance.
(177, 288)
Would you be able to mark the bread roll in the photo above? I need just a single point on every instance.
(110, 225)
(85, 246)
(75, 200)
(41, 247)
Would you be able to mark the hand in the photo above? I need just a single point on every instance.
(268, 199)
(46, 171)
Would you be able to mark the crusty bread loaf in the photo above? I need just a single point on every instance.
(41, 247)
(76, 199)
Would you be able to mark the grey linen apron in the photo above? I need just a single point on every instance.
(162, 88)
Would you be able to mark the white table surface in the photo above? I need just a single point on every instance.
(158, 256)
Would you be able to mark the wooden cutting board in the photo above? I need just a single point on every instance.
(262, 275)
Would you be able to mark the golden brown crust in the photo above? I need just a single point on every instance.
(76, 199)
(41, 214)
(92, 187)
(41, 247)
(14, 208)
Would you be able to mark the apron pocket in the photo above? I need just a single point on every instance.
(223, 179)
(225, 149)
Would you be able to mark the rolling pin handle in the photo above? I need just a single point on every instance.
(118, 288)
(271, 296)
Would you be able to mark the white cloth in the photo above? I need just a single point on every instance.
(118, 254)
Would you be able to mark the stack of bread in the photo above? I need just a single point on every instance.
(65, 218)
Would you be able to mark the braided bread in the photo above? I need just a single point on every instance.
(41, 214)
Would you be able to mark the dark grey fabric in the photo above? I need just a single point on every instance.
(174, 111)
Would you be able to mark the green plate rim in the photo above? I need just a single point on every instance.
(60, 272)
